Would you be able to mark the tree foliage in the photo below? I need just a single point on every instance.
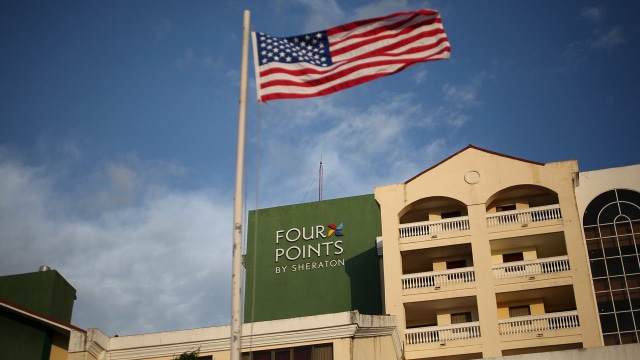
(188, 355)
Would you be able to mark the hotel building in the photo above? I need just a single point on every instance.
(483, 255)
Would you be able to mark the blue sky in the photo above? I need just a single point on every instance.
(118, 125)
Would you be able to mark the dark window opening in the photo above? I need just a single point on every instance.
(608, 323)
(456, 264)
(598, 269)
(507, 207)
(451, 214)
(614, 266)
(605, 304)
(506, 258)
(314, 352)
(460, 318)
(595, 249)
(625, 321)
(631, 264)
(512, 257)
(523, 310)
(629, 338)
(612, 339)
(612, 231)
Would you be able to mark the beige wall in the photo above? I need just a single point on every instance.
(594, 183)
(476, 178)
(59, 346)
(374, 348)
(352, 335)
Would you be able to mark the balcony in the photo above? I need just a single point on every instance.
(531, 267)
(438, 278)
(524, 217)
(434, 334)
(433, 228)
(537, 323)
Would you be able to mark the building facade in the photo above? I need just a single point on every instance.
(346, 335)
(483, 256)
(609, 203)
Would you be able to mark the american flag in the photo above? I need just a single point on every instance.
(331, 60)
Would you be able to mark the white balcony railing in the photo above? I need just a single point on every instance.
(434, 227)
(531, 267)
(525, 216)
(551, 321)
(433, 334)
(438, 278)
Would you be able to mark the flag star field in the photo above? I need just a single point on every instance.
(309, 48)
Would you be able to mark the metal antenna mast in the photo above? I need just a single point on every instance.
(320, 182)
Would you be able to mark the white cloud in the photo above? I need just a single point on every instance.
(321, 14)
(381, 8)
(461, 96)
(421, 76)
(460, 99)
(361, 146)
(160, 262)
(603, 37)
(593, 14)
(187, 58)
(607, 39)
(162, 29)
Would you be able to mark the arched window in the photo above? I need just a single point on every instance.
(612, 232)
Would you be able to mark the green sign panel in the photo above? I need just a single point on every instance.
(313, 258)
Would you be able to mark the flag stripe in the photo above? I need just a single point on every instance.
(306, 84)
(439, 49)
(339, 39)
(311, 81)
(372, 48)
(429, 47)
(357, 52)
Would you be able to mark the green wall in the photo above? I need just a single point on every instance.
(22, 338)
(44, 292)
(290, 276)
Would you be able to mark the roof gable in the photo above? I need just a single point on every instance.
(467, 148)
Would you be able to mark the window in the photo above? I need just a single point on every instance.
(507, 207)
(611, 227)
(460, 318)
(506, 258)
(512, 257)
(456, 264)
(451, 214)
(523, 310)
(315, 352)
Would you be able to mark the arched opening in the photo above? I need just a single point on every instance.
(432, 209)
(611, 224)
(521, 197)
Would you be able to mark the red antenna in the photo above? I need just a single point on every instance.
(320, 182)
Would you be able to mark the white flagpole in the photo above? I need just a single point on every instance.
(236, 274)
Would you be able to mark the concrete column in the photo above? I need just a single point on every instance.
(390, 199)
(486, 297)
(582, 282)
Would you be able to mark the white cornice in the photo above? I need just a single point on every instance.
(286, 332)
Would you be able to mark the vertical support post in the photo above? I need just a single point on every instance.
(320, 175)
(236, 273)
